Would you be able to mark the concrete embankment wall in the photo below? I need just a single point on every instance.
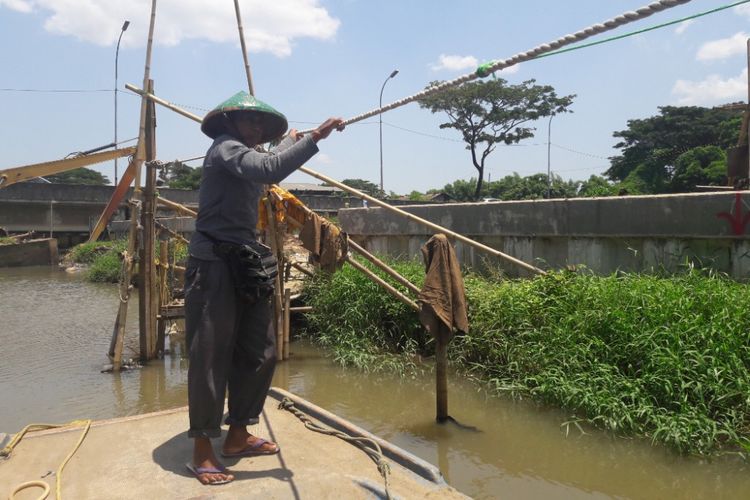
(634, 233)
(41, 252)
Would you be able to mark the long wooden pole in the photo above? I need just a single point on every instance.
(176, 207)
(277, 301)
(140, 154)
(147, 298)
(441, 374)
(287, 321)
(244, 49)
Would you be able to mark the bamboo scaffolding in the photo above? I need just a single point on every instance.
(436, 227)
(161, 323)
(122, 312)
(244, 49)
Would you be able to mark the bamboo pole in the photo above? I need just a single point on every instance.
(176, 206)
(277, 301)
(244, 49)
(377, 279)
(383, 266)
(301, 309)
(172, 234)
(140, 153)
(302, 269)
(287, 322)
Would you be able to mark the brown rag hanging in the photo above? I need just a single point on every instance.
(328, 245)
(442, 297)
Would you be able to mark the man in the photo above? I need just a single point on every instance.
(231, 342)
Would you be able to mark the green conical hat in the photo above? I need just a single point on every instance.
(274, 123)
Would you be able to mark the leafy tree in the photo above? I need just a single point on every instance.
(416, 196)
(700, 166)
(597, 186)
(532, 187)
(81, 175)
(178, 175)
(365, 186)
(462, 190)
(491, 112)
(651, 146)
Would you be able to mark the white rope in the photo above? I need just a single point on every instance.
(488, 69)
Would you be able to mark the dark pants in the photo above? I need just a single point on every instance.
(231, 344)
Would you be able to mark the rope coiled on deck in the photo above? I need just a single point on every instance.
(369, 446)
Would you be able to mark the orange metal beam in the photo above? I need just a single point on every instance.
(26, 172)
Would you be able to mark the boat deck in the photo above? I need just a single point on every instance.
(144, 456)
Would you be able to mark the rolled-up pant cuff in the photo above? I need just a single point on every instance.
(204, 433)
(245, 421)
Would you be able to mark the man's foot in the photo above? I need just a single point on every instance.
(240, 443)
(205, 466)
(211, 475)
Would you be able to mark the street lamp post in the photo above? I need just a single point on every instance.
(549, 170)
(380, 116)
(117, 55)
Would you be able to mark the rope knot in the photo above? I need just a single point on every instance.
(484, 69)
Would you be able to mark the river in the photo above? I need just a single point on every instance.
(55, 330)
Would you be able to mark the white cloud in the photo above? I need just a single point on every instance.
(680, 29)
(711, 90)
(455, 63)
(458, 63)
(268, 26)
(723, 48)
(18, 5)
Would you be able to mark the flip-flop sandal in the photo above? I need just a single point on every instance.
(253, 450)
(198, 471)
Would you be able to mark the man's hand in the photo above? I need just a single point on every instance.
(294, 134)
(325, 128)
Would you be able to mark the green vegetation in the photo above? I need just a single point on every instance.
(7, 240)
(663, 357)
(81, 175)
(102, 257)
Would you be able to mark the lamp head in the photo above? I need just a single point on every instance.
(395, 72)
(125, 25)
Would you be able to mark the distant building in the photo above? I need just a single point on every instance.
(441, 197)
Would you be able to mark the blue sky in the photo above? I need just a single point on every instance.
(317, 58)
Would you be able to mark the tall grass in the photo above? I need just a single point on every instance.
(662, 357)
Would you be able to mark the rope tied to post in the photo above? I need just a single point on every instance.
(368, 445)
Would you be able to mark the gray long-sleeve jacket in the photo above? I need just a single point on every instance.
(232, 184)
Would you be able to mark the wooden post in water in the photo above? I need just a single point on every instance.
(441, 374)
(147, 298)
(287, 322)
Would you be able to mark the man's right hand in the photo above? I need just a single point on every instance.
(325, 128)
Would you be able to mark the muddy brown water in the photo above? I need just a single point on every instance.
(55, 329)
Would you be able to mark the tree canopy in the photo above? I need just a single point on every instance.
(365, 186)
(178, 175)
(654, 149)
(81, 175)
(492, 112)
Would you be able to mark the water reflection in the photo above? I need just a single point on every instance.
(55, 329)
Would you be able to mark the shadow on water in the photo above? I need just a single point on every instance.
(56, 330)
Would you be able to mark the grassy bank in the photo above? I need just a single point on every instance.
(103, 262)
(666, 358)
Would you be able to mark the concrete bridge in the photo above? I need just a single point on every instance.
(68, 212)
